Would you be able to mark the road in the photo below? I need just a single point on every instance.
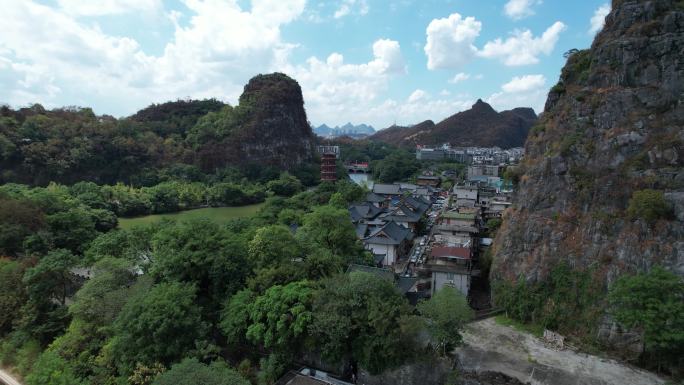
(7, 379)
(490, 347)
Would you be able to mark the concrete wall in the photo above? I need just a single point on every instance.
(440, 279)
(389, 250)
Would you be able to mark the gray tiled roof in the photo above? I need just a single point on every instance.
(390, 234)
(386, 189)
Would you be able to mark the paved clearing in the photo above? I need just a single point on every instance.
(6, 378)
(497, 348)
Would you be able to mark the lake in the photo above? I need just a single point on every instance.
(217, 214)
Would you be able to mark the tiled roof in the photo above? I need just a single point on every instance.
(390, 234)
(455, 215)
(450, 252)
(386, 189)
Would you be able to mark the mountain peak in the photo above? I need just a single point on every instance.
(479, 126)
(482, 106)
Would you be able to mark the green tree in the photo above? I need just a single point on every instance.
(19, 218)
(273, 245)
(145, 375)
(202, 253)
(72, 229)
(287, 185)
(280, 317)
(653, 302)
(329, 227)
(192, 372)
(12, 293)
(445, 314)
(51, 278)
(649, 205)
(235, 317)
(102, 296)
(360, 316)
(51, 369)
(160, 325)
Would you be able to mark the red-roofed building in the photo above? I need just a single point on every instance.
(450, 266)
(449, 252)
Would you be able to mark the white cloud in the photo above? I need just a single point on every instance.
(212, 55)
(522, 47)
(108, 7)
(335, 91)
(599, 18)
(417, 95)
(524, 83)
(518, 9)
(521, 91)
(459, 77)
(348, 6)
(450, 41)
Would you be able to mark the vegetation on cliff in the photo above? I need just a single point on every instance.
(479, 126)
(266, 133)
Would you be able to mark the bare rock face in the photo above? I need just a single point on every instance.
(613, 125)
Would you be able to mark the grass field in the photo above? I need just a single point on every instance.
(218, 214)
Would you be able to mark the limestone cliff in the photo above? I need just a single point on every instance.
(268, 127)
(612, 126)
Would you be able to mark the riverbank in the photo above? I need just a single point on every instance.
(217, 214)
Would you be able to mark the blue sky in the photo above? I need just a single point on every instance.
(364, 61)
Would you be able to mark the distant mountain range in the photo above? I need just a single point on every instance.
(348, 129)
(479, 126)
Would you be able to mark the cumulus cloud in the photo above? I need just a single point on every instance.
(336, 91)
(524, 83)
(348, 6)
(599, 18)
(518, 9)
(521, 91)
(450, 41)
(212, 55)
(459, 77)
(522, 48)
(108, 7)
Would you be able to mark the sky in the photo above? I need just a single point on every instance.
(360, 61)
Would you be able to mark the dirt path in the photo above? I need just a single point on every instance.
(7, 379)
(493, 347)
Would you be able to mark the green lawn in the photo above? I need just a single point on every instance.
(218, 214)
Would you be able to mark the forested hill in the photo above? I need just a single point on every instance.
(267, 128)
(479, 126)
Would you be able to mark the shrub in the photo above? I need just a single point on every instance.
(649, 205)
(654, 303)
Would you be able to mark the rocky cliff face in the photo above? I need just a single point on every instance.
(612, 126)
(276, 131)
(479, 126)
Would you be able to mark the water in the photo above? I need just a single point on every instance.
(362, 180)
(218, 214)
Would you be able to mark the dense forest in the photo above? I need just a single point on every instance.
(233, 304)
(188, 139)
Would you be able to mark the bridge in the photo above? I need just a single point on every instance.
(358, 168)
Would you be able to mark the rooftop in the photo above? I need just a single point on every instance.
(450, 252)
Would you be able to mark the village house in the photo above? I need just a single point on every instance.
(393, 241)
(428, 180)
(450, 266)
